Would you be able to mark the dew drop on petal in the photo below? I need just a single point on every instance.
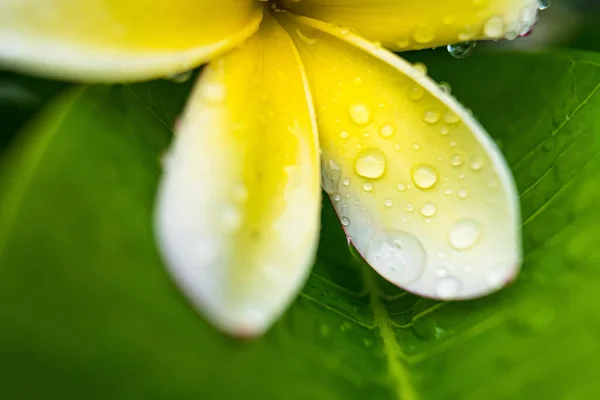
(387, 130)
(345, 221)
(428, 209)
(464, 234)
(447, 287)
(424, 176)
(494, 27)
(370, 163)
(397, 255)
(360, 113)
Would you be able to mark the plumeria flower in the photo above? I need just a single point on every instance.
(299, 94)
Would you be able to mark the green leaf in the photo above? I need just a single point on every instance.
(87, 311)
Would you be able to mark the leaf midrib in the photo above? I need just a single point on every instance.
(400, 376)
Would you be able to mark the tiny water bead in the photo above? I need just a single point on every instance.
(464, 234)
(461, 50)
(456, 160)
(370, 163)
(424, 176)
(181, 77)
(419, 69)
(345, 221)
(447, 287)
(387, 130)
(428, 210)
(344, 135)
(431, 117)
(360, 113)
(367, 186)
(494, 27)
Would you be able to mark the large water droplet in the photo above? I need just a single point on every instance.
(464, 234)
(397, 255)
(345, 221)
(543, 4)
(424, 176)
(461, 50)
(370, 163)
(447, 287)
(360, 113)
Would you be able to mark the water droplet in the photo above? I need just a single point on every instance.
(368, 342)
(410, 208)
(387, 130)
(357, 81)
(424, 176)
(463, 194)
(543, 4)
(370, 163)
(451, 118)
(388, 203)
(416, 93)
(449, 19)
(464, 234)
(367, 186)
(494, 27)
(345, 221)
(397, 146)
(330, 176)
(447, 191)
(344, 135)
(444, 130)
(181, 77)
(397, 255)
(447, 287)
(360, 114)
(431, 117)
(338, 197)
(401, 187)
(417, 146)
(456, 160)
(445, 87)
(419, 69)
(346, 326)
(428, 209)
(461, 50)
(477, 164)
(346, 182)
(231, 217)
(403, 42)
(423, 34)
(441, 272)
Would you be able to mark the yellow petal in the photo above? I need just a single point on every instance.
(416, 24)
(238, 214)
(422, 191)
(114, 40)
